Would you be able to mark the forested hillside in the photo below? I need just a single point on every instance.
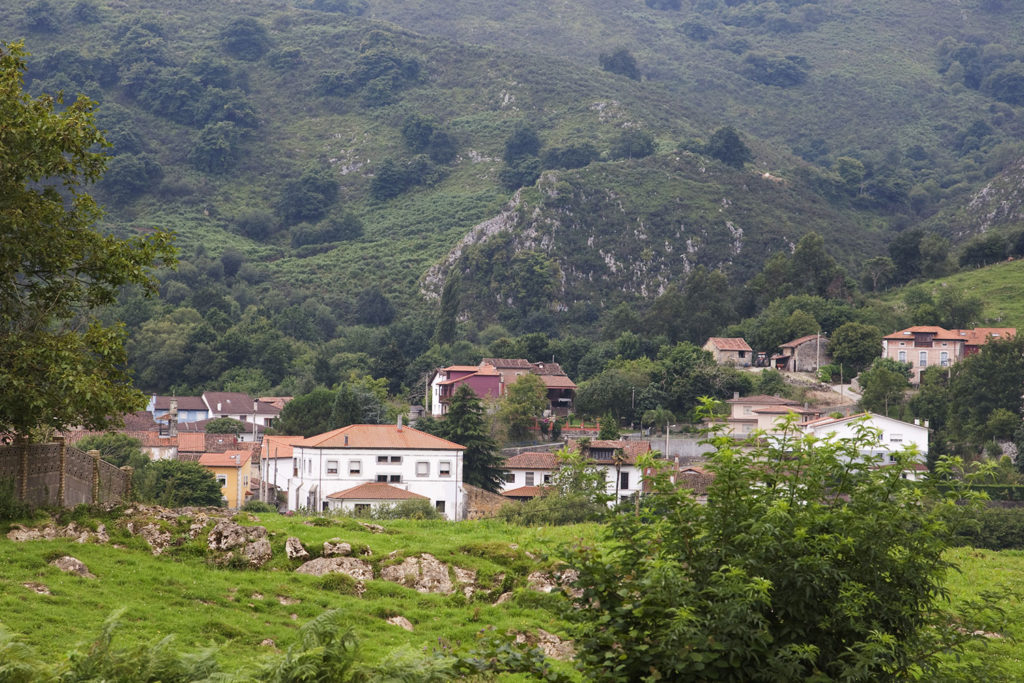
(332, 167)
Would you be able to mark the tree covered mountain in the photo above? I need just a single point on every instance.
(330, 165)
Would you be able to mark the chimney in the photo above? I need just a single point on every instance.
(218, 406)
(346, 439)
(735, 394)
(172, 418)
(399, 423)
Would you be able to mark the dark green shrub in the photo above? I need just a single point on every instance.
(336, 582)
(407, 509)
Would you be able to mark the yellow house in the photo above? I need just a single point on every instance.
(232, 469)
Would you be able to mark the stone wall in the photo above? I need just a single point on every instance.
(481, 504)
(55, 474)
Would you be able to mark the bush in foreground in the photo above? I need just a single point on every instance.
(807, 563)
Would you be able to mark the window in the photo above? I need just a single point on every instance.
(903, 356)
(382, 459)
(444, 468)
(510, 477)
(355, 466)
(944, 358)
(245, 480)
(395, 478)
(547, 478)
(222, 479)
(382, 478)
(389, 459)
(529, 478)
(922, 358)
(439, 506)
(903, 343)
(362, 507)
(896, 438)
(309, 466)
(748, 410)
(623, 480)
(332, 467)
(423, 469)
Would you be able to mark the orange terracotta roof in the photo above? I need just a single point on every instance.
(801, 340)
(557, 381)
(532, 461)
(785, 410)
(279, 446)
(508, 363)
(225, 459)
(463, 368)
(729, 343)
(631, 449)
(981, 335)
(375, 491)
(762, 399)
(524, 492)
(192, 442)
(939, 332)
(379, 437)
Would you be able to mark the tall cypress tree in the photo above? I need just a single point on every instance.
(465, 425)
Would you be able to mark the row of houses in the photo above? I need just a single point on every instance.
(805, 354)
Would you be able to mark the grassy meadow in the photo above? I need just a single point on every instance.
(235, 610)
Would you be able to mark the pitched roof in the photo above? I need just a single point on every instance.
(225, 459)
(140, 421)
(524, 492)
(801, 340)
(981, 335)
(184, 402)
(550, 369)
(762, 399)
(532, 461)
(278, 401)
(229, 402)
(785, 410)
(279, 446)
(630, 449)
(939, 332)
(557, 381)
(375, 491)
(508, 363)
(379, 437)
(192, 442)
(729, 343)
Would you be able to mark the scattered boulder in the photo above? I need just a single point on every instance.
(20, 533)
(285, 600)
(357, 569)
(425, 573)
(547, 583)
(550, 644)
(158, 540)
(373, 528)
(79, 534)
(267, 642)
(259, 552)
(37, 588)
(541, 582)
(503, 598)
(228, 534)
(293, 548)
(198, 524)
(72, 565)
(400, 621)
(336, 548)
(257, 596)
(467, 578)
(101, 534)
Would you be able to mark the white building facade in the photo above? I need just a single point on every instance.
(402, 457)
(892, 436)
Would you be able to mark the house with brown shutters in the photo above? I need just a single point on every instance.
(925, 346)
(763, 413)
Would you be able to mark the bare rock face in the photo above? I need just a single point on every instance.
(503, 598)
(72, 565)
(400, 621)
(550, 644)
(425, 573)
(77, 533)
(541, 582)
(20, 533)
(293, 548)
(336, 548)
(357, 569)
(547, 583)
(198, 524)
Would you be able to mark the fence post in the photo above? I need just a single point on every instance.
(128, 470)
(95, 455)
(23, 484)
(62, 485)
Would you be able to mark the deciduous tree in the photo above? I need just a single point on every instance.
(60, 364)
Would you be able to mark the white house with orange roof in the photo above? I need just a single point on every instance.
(364, 497)
(892, 435)
(400, 457)
(924, 346)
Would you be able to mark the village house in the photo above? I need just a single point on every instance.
(730, 351)
(763, 413)
(491, 378)
(277, 465)
(233, 470)
(924, 346)
(528, 473)
(892, 435)
(215, 404)
(805, 354)
(399, 457)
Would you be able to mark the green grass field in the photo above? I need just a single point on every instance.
(235, 610)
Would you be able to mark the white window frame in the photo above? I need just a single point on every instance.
(332, 467)
(422, 468)
(529, 479)
(355, 467)
(222, 479)
(444, 468)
